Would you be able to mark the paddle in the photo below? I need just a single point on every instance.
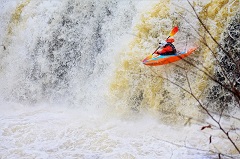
(172, 33)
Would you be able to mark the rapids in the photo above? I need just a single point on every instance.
(72, 84)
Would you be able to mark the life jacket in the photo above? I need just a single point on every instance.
(168, 49)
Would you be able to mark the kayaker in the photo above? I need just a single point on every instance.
(166, 47)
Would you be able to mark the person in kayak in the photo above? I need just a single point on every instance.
(166, 47)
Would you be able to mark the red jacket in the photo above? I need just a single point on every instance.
(165, 49)
(168, 48)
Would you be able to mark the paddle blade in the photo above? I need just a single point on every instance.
(174, 31)
(147, 58)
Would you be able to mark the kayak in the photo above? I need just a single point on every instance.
(157, 60)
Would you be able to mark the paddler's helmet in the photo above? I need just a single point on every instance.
(170, 40)
(162, 43)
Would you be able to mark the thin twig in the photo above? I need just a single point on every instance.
(204, 26)
(205, 109)
(204, 42)
(193, 148)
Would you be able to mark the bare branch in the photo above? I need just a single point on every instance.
(213, 53)
(193, 148)
(205, 109)
(189, 85)
(204, 26)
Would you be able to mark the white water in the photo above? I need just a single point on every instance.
(43, 132)
(47, 114)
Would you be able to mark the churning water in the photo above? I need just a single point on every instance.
(64, 82)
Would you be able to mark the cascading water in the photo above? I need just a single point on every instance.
(67, 51)
(62, 63)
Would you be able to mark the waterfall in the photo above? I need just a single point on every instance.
(72, 84)
(63, 53)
